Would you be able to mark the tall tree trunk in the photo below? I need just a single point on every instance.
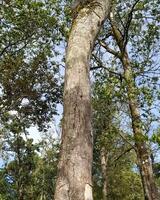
(74, 177)
(104, 164)
(143, 156)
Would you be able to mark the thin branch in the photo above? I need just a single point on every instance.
(122, 154)
(101, 66)
(108, 34)
(128, 23)
(109, 50)
(119, 16)
(118, 35)
(125, 139)
(17, 43)
(5, 49)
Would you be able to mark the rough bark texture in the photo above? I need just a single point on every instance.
(74, 177)
(143, 156)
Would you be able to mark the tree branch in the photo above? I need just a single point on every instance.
(126, 151)
(118, 35)
(122, 38)
(4, 50)
(125, 139)
(109, 50)
(101, 66)
(128, 23)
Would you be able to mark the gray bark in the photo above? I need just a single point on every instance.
(74, 176)
(143, 156)
(104, 165)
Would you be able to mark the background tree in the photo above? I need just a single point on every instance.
(32, 171)
(120, 35)
(114, 157)
(30, 88)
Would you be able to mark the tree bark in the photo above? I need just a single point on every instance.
(143, 156)
(104, 164)
(75, 164)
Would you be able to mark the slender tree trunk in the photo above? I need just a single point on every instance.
(74, 177)
(104, 164)
(19, 181)
(143, 156)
